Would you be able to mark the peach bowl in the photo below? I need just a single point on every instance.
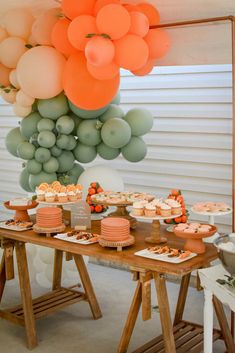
(21, 212)
(194, 242)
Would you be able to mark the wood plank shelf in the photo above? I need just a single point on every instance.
(45, 305)
(188, 339)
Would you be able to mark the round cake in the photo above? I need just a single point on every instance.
(49, 217)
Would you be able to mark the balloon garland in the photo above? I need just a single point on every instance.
(61, 73)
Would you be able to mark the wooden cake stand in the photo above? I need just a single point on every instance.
(155, 237)
(21, 212)
(48, 231)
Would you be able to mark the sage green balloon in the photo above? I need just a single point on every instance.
(84, 154)
(72, 143)
(66, 179)
(28, 125)
(62, 141)
(113, 111)
(34, 139)
(135, 150)
(140, 121)
(24, 180)
(89, 132)
(107, 152)
(12, 140)
(56, 151)
(33, 166)
(117, 99)
(42, 155)
(51, 166)
(45, 124)
(87, 114)
(54, 107)
(65, 125)
(26, 150)
(42, 177)
(46, 139)
(66, 161)
(76, 121)
(76, 171)
(116, 133)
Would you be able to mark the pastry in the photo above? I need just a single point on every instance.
(50, 195)
(62, 194)
(165, 210)
(150, 210)
(175, 208)
(138, 208)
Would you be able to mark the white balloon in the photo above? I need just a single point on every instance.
(24, 99)
(108, 178)
(21, 111)
(13, 79)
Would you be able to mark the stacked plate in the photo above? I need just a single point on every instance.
(115, 229)
(49, 217)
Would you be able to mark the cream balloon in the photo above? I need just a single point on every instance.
(13, 79)
(4, 75)
(21, 111)
(40, 71)
(18, 22)
(42, 27)
(11, 49)
(9, 97)
(24, 99)
(3, 34)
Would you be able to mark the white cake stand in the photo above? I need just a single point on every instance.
(155, 237)
(211, 215)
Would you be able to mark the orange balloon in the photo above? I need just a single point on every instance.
(79, 28)
(4, 75)
(130, 7)
(131, 52)
(105, 72)
(42, 27)
(151, 12)
(146, 69)
(158, 42)
(99, 51)
(113, 20)
(101, 3)
(74, 8)
(84, 90)
(139, 24)
(59, 37)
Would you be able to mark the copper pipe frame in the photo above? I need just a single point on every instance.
(231, 19)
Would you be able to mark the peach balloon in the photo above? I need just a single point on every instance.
(146, 69)
(24, 99)
(40, 72)
(13, 79)
(131, 52)
(3, 34)
(59, 37)
(158, 42)
(99, 51)
(83, 89)
(113, 20)
(105, 72)
(9, 97)
(130, 7)
(4, 75)
(139, 24)
(21, 111)
(72, 8)
(42, 27)
(151, 12)
(31, 40)
(101, 3)
(79, 28)
(11, 49)
(18, 22)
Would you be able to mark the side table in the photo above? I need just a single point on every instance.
(212, 289)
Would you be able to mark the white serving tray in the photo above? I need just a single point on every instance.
(163, 257)
(211, 213)
(15, 228)
(63, 236)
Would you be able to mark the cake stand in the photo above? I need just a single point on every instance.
(155, 237)
(211, 215)
(21, 212)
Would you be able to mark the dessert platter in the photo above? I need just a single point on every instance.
(78, 237)
(21, 207)
(121, 200)
(166, 254)
(211, 209)
(194, 234)
(18, 226)
(57, 194)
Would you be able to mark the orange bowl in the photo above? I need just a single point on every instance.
(21, 213)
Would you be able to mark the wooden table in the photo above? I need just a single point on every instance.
(173, 335)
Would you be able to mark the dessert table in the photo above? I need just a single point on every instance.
(180, 336)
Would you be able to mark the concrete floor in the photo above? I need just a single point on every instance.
(73, 330)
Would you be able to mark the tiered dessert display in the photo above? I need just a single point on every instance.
(49, 220)
(156, 210)
(121, 200)
(58, 194)
(211, 209)
(115, 233)
(21, 207)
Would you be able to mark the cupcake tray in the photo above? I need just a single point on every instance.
(73, 239)
(163, 257)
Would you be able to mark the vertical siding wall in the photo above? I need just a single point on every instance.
(189, 146)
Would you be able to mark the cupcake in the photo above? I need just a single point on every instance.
(40, 194)
(62, 194)
(78, 191)
(175, 208)
(138, 209)
(165, 210)
(72, 194)
(150, 210)
(50, 195)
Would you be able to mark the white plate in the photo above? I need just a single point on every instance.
(57, 203)
(15, 228)
(63, 236)
(157, 218)
(163, 257)
(211, 213)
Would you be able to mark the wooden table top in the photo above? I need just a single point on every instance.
(126, 256)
